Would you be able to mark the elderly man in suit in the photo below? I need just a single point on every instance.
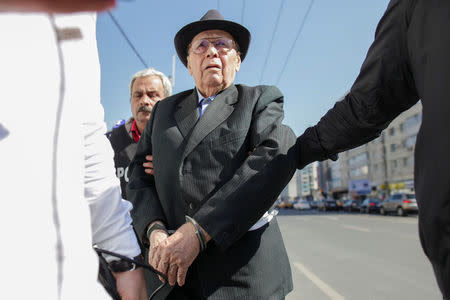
(214, 150)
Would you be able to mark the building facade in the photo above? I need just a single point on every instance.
(386, 162)
(291, 192)
(309, 181)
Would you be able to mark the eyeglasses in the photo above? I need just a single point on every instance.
(223, 45)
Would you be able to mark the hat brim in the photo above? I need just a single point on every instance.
(185, 35)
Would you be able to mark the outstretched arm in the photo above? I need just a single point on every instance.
(384, 88)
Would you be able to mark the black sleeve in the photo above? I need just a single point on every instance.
(141, 190)
(384, 88)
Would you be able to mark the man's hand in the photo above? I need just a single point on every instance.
(55, 6)
(149, 165)
(156, 239)
(176, 254)
(131, 284)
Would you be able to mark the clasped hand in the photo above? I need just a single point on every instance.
(173, 255)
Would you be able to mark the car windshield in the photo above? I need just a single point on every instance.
(411, 196)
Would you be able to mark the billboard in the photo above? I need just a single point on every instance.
(359, 187)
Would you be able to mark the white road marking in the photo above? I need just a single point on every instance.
(357, 228)
(392, 219)
(401, 220)
(329, 291)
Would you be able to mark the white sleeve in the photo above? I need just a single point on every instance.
(110, 214)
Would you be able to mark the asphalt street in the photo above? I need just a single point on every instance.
(352, 256)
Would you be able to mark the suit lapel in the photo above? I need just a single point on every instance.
(187, 114)
(217, 112)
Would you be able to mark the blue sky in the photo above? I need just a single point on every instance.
(324, 62)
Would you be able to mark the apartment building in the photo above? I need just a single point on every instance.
(387, 162)
(291, 191)
(309, 181)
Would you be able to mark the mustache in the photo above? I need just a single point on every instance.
(144, 109)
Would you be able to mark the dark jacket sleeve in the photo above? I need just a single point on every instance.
(384, 88)
(239, 203)
(141, 189)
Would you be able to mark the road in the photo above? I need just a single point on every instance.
(343, 256)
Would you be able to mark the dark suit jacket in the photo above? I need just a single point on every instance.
(203, 169)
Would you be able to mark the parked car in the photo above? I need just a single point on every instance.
(351, 205)
(400, 203)
(302, 204)
(284, 203)
(370, 205)
(313, 204)
(327, 204)
(339, 204)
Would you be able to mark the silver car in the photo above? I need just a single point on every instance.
(400, 203)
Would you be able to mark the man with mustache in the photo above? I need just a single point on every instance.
(147, 87)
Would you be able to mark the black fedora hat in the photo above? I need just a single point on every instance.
(212, 20)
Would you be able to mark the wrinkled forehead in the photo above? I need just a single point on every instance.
(146, 82)
(212, 34)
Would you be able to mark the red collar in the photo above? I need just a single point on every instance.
(135, 132)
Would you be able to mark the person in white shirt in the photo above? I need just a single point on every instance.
(59, 191)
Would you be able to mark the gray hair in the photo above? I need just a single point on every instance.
(167, 85)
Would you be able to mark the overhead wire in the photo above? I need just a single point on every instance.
(271, 41)
(295, 41)
(127, 39)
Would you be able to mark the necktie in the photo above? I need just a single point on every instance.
(204, 103)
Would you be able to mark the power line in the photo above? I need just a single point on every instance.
(127, 39)
(271, 40)
(293, 44)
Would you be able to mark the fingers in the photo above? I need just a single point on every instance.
(172, 274)
(163, 267)
(157, 242)
(148, 170)
(173, 255)
(154, 261)
(153, 257)
(181, 276)
(148, 166)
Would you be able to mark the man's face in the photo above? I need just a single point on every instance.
(146, 91)
(214, 69)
